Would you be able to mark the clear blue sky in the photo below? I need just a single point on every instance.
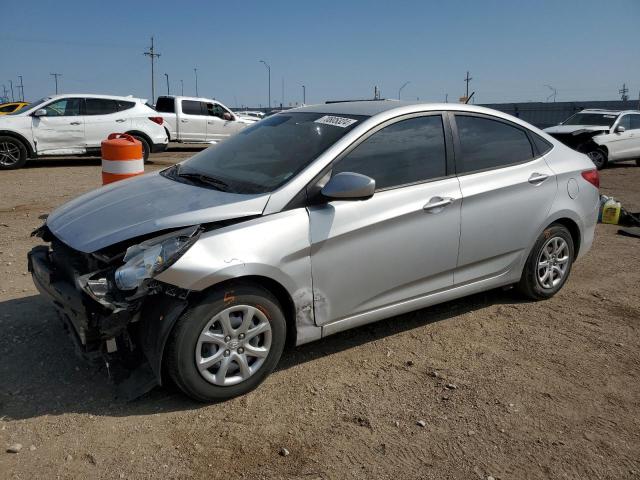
(338, 49)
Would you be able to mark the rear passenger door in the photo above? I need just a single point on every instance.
(101, 119)
(193, 121)
(507, 191)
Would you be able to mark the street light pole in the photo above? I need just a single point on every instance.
(401, 88)
(21, 88)
(54, 75)
(269, 81)
(166, 75)
(304, 95)
(182, 87)
(195, 70)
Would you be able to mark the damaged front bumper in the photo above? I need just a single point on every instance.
(127, 334)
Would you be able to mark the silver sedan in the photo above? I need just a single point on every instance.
(308, 223)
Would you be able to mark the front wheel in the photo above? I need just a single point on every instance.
(549, 264)
(226, 344)
(599, 158)
(13, 153)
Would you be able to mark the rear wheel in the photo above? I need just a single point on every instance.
(549, 264)
(13, 154)
(227, 344)
(599, 158)
(146, 149)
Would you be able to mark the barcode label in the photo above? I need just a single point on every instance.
(341, 122)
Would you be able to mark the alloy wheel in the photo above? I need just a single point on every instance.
(233, 345)
(9, 154)
(553, 262)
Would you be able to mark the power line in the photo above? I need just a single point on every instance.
(151, 53)
(55, 76)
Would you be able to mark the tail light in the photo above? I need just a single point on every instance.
(157, 120)
(592, 176)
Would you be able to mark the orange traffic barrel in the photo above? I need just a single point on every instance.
(121, 158)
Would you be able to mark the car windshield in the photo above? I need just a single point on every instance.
(265, 155)
(591, 119)
(32, 105)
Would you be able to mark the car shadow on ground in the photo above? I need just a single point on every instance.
(64, 162)
(41, 375)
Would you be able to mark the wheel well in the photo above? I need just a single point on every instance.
(277, 290)
(21, 139)
(574, 230)
(141, 134)
(168, 134)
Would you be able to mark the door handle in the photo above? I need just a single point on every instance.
(537, 178)
(120, 120)
(436, 204)
(74, 123)
(184, 120)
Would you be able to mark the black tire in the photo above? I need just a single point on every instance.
(599, 158)
(146, 149)
(530, 284)
(13, 153)
(180, 354)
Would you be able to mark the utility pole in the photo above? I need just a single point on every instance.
(401, 88)
(182, 87)
(166, 75)
(282, 101)
(195, 71)
(11, 85)
(55, 76)
(21, 86)
(269, 79)
(624, 92)
(376, 93)
(304, 95)
(5, 92)
(446, 98)
(467, 80)
(553, 94)
(151, 53)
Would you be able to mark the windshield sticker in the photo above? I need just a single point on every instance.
(341, 122)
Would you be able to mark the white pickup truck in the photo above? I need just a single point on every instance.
(198, 120)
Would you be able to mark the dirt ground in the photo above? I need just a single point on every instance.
(508, 389)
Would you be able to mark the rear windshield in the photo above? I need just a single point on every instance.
(591, 119)
(166, 105)
(267, 154)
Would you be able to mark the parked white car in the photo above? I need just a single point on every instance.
(606, 136)
(76, 124)
(198, 120)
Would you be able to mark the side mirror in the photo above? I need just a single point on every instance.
(227, 116)
(349, 186)
(620, 129)
(41, 112)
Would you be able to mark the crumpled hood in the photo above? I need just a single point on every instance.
(143, 205)
(575, 129)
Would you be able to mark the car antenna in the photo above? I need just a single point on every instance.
(470, 97)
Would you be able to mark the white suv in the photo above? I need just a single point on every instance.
(76, 124)
(606, 136)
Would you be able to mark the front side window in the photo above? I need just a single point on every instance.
(100, 106)
(408, 151)
(67, 107)
(625, 121)
(635, 122)
(216, 110)
(487, 143)
(265, 155)
(191, 107)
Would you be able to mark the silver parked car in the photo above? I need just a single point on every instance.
(308, 223)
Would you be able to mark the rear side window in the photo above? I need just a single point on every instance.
(122, 105)
(489, 144)
(100, 106)
(7, 108)
(405, 152)
(192, 108)
(166, 105)
(541, 144)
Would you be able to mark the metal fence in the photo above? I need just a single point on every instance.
(544, 115)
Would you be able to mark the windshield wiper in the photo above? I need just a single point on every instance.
(205, 179)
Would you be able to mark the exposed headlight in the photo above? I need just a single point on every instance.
(149, 258)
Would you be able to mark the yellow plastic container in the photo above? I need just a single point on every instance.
(611, 212)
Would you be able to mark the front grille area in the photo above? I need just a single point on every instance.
(70, 263)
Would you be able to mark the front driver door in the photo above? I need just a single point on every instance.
(398, 245)
(61, 130)
(221, 123)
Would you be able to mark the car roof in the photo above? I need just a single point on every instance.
(375, 107)
(97, 95)
(605, 111)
